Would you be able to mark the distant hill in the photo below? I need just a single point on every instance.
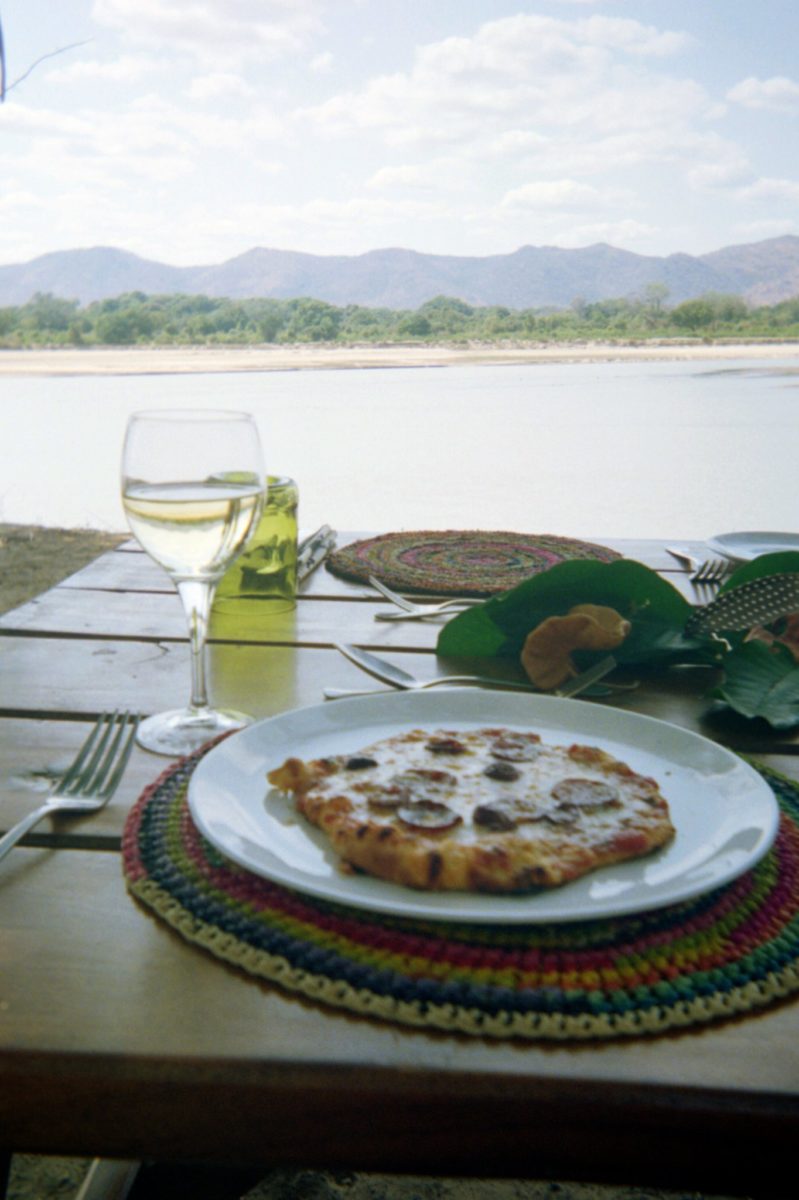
(531, 277)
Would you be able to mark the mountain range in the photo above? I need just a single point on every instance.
(530, 277)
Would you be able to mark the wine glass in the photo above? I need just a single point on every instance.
(193, 487)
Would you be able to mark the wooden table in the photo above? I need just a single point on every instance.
(117, 1038)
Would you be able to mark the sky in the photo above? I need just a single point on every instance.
(190, 131)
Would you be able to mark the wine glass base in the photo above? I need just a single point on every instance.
(182, 731)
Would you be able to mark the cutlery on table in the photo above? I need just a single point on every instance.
(410, 611)
(90, 782)
(713, 572)
(404, 681)
(682, 556)
(710, 572)
(313, 550)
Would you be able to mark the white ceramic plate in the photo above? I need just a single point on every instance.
(746, 546)
(725, 814)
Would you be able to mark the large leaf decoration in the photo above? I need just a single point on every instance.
(655, 609)
(761, 681)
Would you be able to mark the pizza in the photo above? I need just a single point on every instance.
(481, 810)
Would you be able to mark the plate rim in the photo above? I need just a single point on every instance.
(481, 908)
(720, 542)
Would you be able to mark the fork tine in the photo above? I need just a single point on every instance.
(132, 721)
(73, 771)
(102, 748)
(714, 570)
(91, 778)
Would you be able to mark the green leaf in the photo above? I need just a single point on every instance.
(656, 610)
(761, 682)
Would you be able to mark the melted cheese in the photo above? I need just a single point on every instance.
(407, 771)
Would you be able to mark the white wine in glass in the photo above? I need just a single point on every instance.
(193, 487)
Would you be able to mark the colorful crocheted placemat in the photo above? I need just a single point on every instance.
(729, 952)
(459, 563)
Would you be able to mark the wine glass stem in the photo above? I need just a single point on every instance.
(196, 596)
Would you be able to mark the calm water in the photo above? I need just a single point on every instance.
(628, 449)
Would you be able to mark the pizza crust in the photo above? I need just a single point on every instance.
(486, 810)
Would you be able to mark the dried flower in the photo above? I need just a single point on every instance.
(546, 656)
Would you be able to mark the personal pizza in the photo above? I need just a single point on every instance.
(480, 810)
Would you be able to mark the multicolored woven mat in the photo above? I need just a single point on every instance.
(727, 953)
(459, 563)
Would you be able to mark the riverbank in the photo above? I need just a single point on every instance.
(34, 558)
(175, 360)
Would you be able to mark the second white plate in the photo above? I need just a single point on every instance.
(725, 814)
(746, 546)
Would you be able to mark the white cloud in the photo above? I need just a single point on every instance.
(217, 84)
(152, 142)
(632, 36)
(311, 226)
(402, 176)
(560, 194)
(521, 74)
(756, 231)
(446, 175)
(625, 232)
(777, 94)
(580, 125)
(215, 30)
(720, 174)
(321, 63)
(772, 189)
(126, 69)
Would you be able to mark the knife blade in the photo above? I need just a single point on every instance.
(385, 671)
(683, 557)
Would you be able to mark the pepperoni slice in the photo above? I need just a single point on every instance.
(585, 794)
(516, 747)
(493, 817)
(445, 745)
(505, 772)
(359, 762)
(417, 785)
(427, 814)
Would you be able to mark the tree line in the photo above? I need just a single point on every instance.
(139, 319)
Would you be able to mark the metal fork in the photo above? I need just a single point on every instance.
(91, 780)
(712, 572)
(409, 610)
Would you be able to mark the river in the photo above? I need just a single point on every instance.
(665, 449)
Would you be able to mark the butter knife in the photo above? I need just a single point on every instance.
(404, 681)
(313, 550)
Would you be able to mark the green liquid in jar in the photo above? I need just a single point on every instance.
(264, 578)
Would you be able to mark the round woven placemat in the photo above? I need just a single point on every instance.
(461, 563)
(727, 953)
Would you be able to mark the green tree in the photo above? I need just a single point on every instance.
(415, 324)
(49, 314)
(655, 296)
(693, 314)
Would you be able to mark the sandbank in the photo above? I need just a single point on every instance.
(169, 360)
